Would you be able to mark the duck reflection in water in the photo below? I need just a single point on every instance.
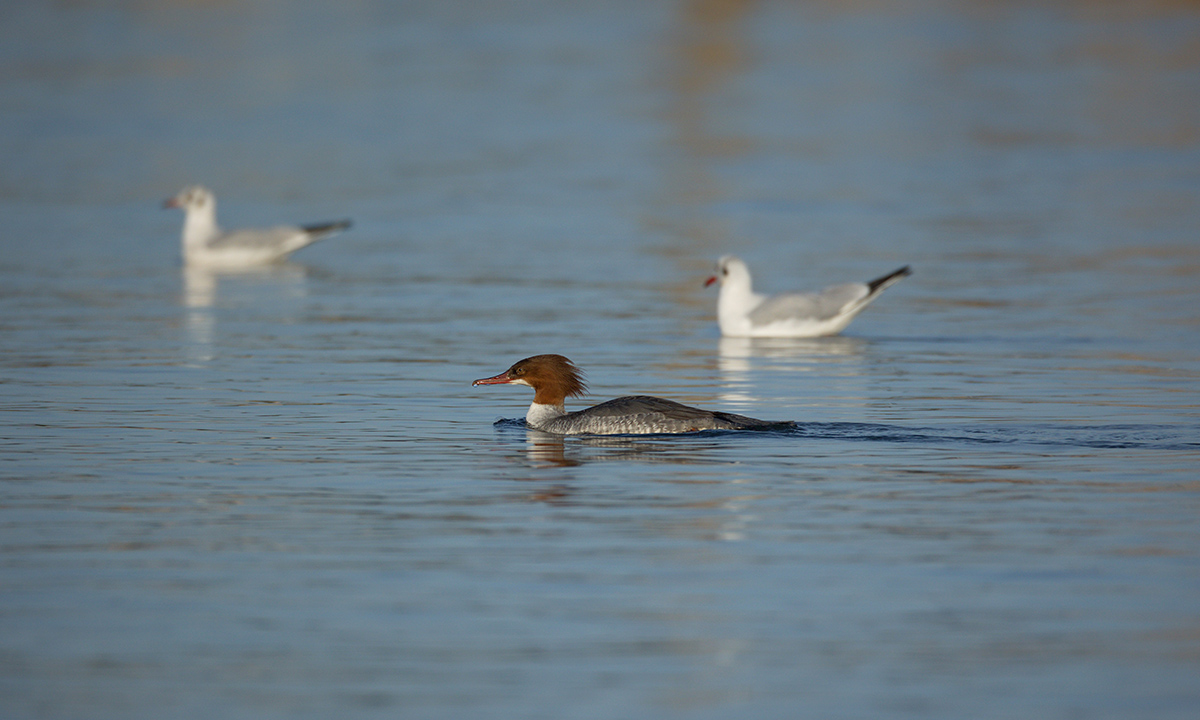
(544, 449)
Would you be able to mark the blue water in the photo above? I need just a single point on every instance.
(276, 494)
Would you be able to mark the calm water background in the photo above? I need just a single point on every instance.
(276, 494)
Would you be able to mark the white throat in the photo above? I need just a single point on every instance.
(539, 414)
(734, 302)
(199, 227)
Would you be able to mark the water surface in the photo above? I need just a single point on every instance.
(276, 494)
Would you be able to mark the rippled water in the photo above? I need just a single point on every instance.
(276, 494)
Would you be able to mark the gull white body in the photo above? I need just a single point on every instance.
(204, 244)
(554, 378)
(741, 312)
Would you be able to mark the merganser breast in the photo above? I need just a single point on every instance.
(554, 378)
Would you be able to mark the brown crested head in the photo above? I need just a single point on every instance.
(552, 377)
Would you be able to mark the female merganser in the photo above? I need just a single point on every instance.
(205, 244)
(555, 378)
(741, 312)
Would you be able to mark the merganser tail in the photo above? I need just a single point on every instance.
(555, 378)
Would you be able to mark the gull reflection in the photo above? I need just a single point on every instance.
(199, 294)
(739, 358)
(202, 288)
(199, 287)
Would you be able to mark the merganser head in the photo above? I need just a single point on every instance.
(729, 268)
(552, 377)
(191, 197)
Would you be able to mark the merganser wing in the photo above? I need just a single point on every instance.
(643, 414)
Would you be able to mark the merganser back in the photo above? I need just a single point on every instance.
(741, 312)
(554, 378)
(206, 245)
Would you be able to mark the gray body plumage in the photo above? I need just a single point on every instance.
(644, 414)
(819, 307)
(283, 240)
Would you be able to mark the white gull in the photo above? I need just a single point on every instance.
(206, 245)
(741, 312)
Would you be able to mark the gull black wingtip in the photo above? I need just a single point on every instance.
(327, 227)
(881, 282)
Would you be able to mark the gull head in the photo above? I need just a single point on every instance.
(192, 197)
(729, 269)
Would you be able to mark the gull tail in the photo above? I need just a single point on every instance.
(877, 285)
(320, 230)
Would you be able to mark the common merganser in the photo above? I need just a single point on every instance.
(205, 244)
(741, 312)
(554, 378)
